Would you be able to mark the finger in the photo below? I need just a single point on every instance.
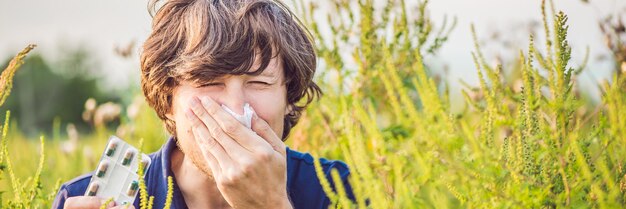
(213, 165)
(266, 132)
(221, 159)
(86, 202)
(212, 151)
(209, 158)
(208, 141)
(233, 127)
(214, 129)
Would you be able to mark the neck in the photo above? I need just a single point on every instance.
(198, 189)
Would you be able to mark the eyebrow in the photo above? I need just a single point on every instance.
(267, 73)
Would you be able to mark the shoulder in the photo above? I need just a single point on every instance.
(74, 187)
(306, 160)
(303, 182)
(78, 185)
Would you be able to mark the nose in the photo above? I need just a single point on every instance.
(233, 97)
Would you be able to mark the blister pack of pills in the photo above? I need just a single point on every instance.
(117, 173)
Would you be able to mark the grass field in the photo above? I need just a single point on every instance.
(523, 141)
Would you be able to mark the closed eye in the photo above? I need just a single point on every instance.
(260, 82)
(211, 84)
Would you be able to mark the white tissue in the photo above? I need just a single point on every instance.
(246, 118)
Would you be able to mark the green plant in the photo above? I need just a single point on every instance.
(27, 194)
(528, 149)
(538, 144)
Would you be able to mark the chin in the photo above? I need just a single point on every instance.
(202, 165)
(192, 152)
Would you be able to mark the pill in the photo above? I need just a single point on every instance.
(102, 169)
(132, 189)
(93, 189)
(111, 149)
(128, 157)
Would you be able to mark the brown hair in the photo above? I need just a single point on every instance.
(200, 40)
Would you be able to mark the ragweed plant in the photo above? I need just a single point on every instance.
(6, 78)
(529, 140)
(27, 193)
(145, 200)
(526, 148)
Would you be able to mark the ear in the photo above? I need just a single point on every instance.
(169, 115)
(288, 109)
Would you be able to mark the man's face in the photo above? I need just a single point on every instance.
(266, 93)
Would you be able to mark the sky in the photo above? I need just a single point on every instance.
(507, 17)
(102, 25)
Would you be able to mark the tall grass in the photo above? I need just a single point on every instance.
(27, 193)
(537, 145)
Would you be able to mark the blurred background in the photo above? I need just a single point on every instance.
(89, 49)
(437, 146)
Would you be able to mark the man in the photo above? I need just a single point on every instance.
(203, 54)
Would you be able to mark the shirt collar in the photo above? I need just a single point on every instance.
(166, 153)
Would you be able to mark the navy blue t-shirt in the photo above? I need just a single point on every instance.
(303, 185)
